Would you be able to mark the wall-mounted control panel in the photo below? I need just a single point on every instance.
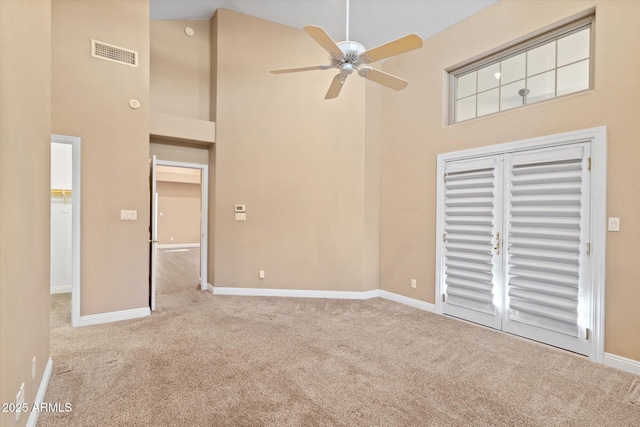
(128, 215)
(241, 212)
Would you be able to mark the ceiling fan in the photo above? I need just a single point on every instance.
(349, 56)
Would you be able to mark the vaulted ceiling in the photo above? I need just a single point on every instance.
(371, 22)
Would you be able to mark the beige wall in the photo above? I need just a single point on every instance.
(373, 119)
(179, 80)
(178, 152)
(25, 129)
(295, 159)
(178, 212)
(413, 134)
(91, 100)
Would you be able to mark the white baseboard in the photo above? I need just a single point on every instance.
(416, 303)
(61, 289)
(622, 363)
(296, 293)
(42, 390)
(178, 245)
(114, 316)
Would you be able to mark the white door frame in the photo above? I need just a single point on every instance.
(153, 238)
(74, 141)
(597, 137)
(204, 210)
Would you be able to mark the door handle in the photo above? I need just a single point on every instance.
(154, 241)
(497, 246)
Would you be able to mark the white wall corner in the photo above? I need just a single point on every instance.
(42, 390)
(114, 316)
(622, 363)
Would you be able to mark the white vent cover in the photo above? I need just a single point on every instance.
(114, 53)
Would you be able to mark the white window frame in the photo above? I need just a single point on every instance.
(597, 210)
(517, 49)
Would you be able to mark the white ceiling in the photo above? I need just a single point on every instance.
(372, 22)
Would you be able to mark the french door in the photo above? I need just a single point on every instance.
(515, 253)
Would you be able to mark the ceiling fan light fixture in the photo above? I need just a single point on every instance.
(346, 68)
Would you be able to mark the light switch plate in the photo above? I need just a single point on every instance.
(240, 208)
(614, 224)
(241, 216)
(126, 215)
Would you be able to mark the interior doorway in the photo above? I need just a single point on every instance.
(65, 220)
(179, 228)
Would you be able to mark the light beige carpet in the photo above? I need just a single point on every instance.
(205, 360)
(177, 270)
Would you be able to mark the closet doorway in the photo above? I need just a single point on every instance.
(65, 220)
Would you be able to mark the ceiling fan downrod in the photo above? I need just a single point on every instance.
(347, 26)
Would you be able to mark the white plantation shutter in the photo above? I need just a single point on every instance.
(472, 221)
(546, 270)
(517, 224)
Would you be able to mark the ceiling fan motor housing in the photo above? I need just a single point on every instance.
(350, 57)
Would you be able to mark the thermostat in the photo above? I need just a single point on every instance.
(241, 208)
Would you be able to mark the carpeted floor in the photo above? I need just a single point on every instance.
(205, 360)
(177, 270)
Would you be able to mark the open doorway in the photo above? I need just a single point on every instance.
(65, 226)
(179, 227)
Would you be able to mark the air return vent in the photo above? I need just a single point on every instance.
(114, 53)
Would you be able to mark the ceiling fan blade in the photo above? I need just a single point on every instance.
(297, 69)
(383, 78)
(396, 47)
(336, 86)
(324, 40)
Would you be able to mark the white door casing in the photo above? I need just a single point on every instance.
(153, 234)
(204, 218)
(575, 200)
(76, 252)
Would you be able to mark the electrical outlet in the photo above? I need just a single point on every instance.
(413, 283)
(33, 368)
(262, 274)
